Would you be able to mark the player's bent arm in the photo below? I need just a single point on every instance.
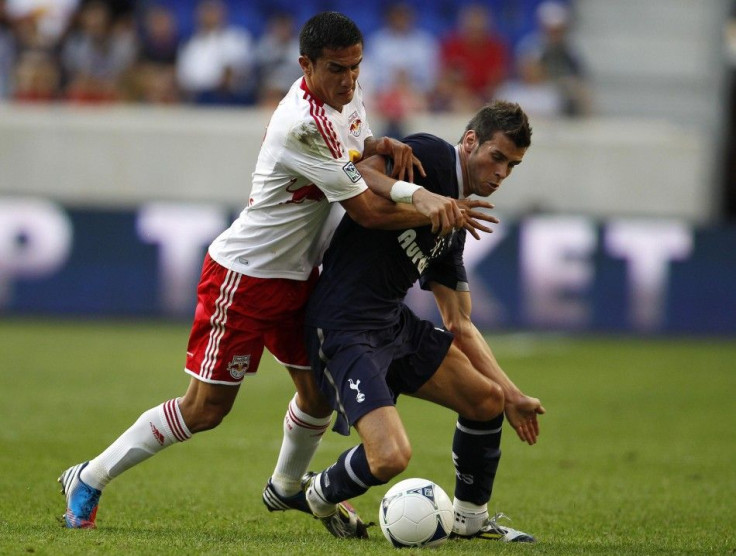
(521, 410)
(372, 211)
(443, 213)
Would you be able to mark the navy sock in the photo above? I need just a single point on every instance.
(349, 477)
(476, 451)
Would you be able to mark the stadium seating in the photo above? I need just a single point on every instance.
(514, 18)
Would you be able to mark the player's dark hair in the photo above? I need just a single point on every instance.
(500, 115)
(331, 30)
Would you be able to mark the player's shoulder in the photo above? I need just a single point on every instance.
(427, 141)
(428, 147)
(294, 123)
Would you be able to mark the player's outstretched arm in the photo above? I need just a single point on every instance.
(521, 410)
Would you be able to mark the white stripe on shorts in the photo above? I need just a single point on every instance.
(328, 375)
(218, 321)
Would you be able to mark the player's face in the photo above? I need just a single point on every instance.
(334, 75)
(489, 163)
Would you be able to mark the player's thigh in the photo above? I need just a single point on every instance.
(459, 386)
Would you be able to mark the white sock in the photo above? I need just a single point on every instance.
(316, 499)
(155, 429)
(469, 518)
(302, 434)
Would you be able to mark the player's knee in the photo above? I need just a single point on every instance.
(489, 404)
(210, 419)
(204, 418)
(390, 461)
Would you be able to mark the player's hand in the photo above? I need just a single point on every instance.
(522, 416)
(403, 157)
(443, 212)
(470, 209)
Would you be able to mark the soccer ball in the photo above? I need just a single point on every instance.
(414, 513)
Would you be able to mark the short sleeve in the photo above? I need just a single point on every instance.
(449, 269)
(312, 153)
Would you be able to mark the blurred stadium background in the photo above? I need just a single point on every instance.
(621, 218)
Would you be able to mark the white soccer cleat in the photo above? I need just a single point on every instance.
(490, 529)
(339, 519)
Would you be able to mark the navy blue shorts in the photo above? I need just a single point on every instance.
(362, 370)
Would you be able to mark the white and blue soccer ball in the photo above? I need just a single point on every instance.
(415, 513)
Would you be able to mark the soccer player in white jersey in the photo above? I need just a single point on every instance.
(258, 274)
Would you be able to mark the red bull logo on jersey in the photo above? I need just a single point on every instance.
(304, 193)
(355, 124)
(355, 128)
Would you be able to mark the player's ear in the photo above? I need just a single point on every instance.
(469, 140)
(306, 65)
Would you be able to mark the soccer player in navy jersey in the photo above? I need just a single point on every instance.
(367, 347)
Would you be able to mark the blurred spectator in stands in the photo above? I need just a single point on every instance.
(37, 77)
(7, 53)
(400, 67)
(277, 59)
(561, 60)
(38, 28)
(47, 20)
(215, 65)
(474, 56)
(97, 55)
(400, 47)
(452, 94)
(729, 142)
(155, 69)
(399, 101)
(532, 89)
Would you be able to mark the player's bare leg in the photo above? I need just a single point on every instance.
(202, 408)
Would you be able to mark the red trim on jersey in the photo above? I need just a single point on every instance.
(324, 125)
(172, 418)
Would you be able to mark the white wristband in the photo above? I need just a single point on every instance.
(402, 191)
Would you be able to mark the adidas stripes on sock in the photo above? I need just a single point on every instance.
(302, 435)
(155, 429)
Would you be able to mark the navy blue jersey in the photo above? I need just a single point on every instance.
(367, 273)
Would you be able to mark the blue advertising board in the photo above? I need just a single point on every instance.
(541, 272)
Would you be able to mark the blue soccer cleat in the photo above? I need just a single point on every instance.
(81, 499)
(277, 503)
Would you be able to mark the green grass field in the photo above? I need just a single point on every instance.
(637, 453)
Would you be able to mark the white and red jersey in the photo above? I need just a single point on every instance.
(305, 163)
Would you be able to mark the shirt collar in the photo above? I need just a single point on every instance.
(459, 171)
